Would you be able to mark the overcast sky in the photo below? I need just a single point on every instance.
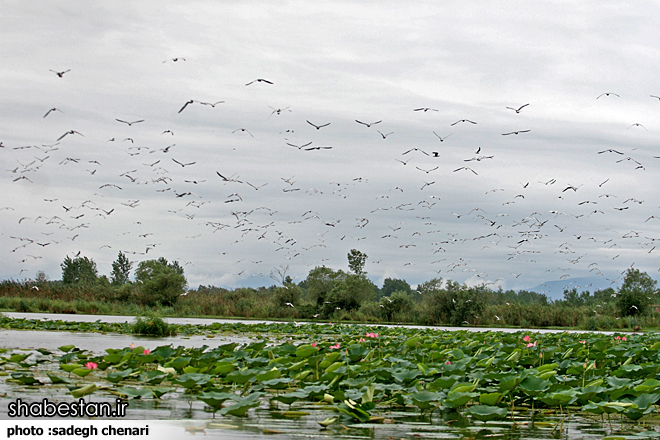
(536, 158)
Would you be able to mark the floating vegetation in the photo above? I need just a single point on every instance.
(152, 326)
(367, 375)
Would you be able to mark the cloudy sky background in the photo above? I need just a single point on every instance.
(512, 222)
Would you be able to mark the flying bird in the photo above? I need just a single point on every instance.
(465, 168)
(301, 146)
(53, 110)
(278, 111)
(463, 120)
(60, 74)
(212, 104)
(517, 110)
(442, 139)
(183, 164)
(384, 135)
(415, 149)
(424, 109)
(516, 132)
(427, 171)
(369, 124)
(69, 132)
(318, 127)
(129, 123)
(636, 124)
(259, 80)
(174, 60)
(242, 129)
(608, 94)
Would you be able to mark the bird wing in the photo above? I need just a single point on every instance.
(186, 105)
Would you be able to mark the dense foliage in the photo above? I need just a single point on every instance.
(332, 295)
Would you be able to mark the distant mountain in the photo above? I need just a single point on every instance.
(555, 289)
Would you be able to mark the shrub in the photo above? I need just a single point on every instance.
(153, 326)
(455, 304)
(24, 306)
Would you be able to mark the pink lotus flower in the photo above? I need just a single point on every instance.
(618, 338)
(91, 365)
(362, 340)
(526, 338)
(336, 345)
(132, 346)
(624, 338)
(531, 344)
(583, 342)
(447, 363)
(313, 344)
(372, 335)
(146, 351)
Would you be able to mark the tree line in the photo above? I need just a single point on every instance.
(337, 294)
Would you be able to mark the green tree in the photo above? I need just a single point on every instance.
(356, 261)
(79, 270)
(399, 303)
(636, 293)
(160, 282)
(574, 298)
(391, 285)
(348, 294)
(121, 270)
(319, 283)
(456, 304)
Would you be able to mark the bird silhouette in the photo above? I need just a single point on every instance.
(212, 104)
(300, 147)
(465, 168)
(60, 74)
(369, 124)
(463, 120)
(608, 94)
(242, 129)
(259, 80)
(517, 110)
(183, 164)
(68, 133)
(442, 139)
(318, 127)
(54, 109)
(516, 132)
(129, 123)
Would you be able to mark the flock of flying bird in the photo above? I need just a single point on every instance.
(407, 224)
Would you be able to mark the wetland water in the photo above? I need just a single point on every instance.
(179, 415)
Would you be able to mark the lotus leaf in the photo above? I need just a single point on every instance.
(486, 413)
